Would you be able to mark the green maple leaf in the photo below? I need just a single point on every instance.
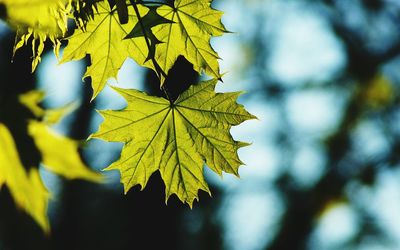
(177, 139)
(59, 155)
(193, 25)
(103, 40)
(25, 187)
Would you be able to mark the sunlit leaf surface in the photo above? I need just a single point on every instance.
(104, 41)
(177, 139)
(59, 155)
(193, 24)
(37, 19)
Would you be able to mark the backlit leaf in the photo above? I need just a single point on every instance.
(104, 41)
(193, 25)
(26, 188)
(150, 20)
(59, 155)
(176, 139)
(37, 19)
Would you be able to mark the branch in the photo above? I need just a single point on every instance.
(156, 65)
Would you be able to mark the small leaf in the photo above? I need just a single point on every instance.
(176, 139)
(53, 116)
(32, 100)
(60, 154)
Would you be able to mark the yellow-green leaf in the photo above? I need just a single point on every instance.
(104, 40)
(193, 25)
(39, 19)
(32, 99)
(59, 155)
(27, 189)
(177, 139)
(41, 15)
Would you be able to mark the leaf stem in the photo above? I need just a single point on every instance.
(164, 89)
(156, 65)
(152, 2)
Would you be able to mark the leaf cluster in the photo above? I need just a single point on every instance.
(19, 164)
(175, 137)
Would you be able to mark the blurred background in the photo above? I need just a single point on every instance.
(323, 170)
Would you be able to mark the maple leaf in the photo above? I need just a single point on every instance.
(26, 188)
(175, 138)
(103, 39)
(39, 19)
(59, 155)
(193, 23)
